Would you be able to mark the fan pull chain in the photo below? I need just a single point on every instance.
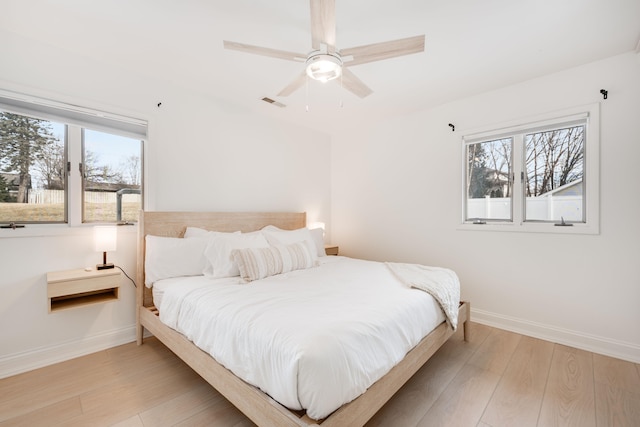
(306, 89)
(341, 103)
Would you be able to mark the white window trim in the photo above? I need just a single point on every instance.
(591, 164)
(72, 114)
(77, 117)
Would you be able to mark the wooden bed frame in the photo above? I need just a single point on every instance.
(255, 404)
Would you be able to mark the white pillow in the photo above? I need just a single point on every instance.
(167, 257)
(285, 237)
(218, 252)
(195, 232)
(318, 239)
(201, 233)
(258, 263)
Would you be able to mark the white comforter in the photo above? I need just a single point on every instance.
(312, 339)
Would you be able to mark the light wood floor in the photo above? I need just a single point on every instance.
(496, 379)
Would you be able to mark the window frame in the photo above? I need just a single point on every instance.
(587, 114)
(510, 180)
(75, 119)
(82, 170)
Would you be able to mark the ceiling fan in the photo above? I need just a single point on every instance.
(325, 62)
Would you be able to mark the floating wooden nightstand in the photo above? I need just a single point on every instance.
(331, 249)
(75, 288)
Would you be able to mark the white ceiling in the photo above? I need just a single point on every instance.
(472, 46)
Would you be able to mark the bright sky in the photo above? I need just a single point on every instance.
(110, 149)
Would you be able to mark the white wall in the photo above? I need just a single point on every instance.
(389, 183)
(201, 155)
(397, 196)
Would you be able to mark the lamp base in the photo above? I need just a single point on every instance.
(104, 266)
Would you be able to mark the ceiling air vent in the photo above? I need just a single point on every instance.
(273, 102)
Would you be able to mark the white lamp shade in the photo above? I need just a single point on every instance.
(105, 238)
(316, 224)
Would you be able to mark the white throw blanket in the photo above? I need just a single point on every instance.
(441, 283)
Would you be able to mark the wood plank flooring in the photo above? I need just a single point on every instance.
(496, 379)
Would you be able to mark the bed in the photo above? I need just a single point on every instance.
(259, 406)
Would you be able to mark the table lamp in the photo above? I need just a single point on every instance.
(105, 238)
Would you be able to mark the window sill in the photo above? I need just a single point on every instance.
(52, 230)
(531, 228)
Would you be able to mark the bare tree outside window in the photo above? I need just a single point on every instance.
(554, 159)
(111, 178)
(554, 185)
(51, 166)
(489, 171)
(131, 170)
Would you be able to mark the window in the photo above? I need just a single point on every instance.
(489, 183)
(111, 181)
(32, 169)
(541, 176)
(553, 181)
(64, 164)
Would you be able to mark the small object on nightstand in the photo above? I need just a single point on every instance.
(331, 249)
(74, 288)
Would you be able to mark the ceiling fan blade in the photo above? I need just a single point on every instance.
(384, 50)
(323, 24)
(354, 85)
(265, 51)
(294, 85)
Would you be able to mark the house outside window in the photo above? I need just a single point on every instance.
(488, 180)
(540, 176)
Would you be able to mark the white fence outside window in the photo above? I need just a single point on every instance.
(41, 197)
(548, 208)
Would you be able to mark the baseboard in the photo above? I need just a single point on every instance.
(18, 363)
(601, 345)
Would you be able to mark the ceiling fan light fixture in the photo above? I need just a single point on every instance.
(324, 67)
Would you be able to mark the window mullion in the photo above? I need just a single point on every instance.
(74, 177)
(518, 184)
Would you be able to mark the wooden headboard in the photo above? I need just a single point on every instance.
(174, 224)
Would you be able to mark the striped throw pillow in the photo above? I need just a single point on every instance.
(258, 263)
